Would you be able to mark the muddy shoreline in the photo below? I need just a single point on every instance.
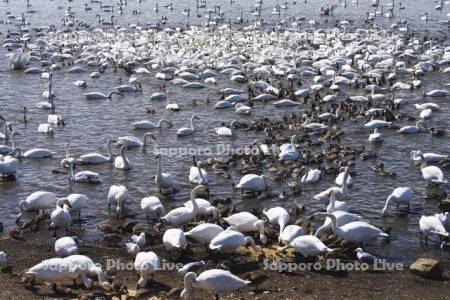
(267, 284)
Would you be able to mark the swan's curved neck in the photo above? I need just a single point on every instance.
(5, 132)
(192, 124)
(124, 158)
(386, 205)
(13, 141)
(71, 174)
(160, 123)
(204, 181)
(110, 155)
(344, 183)
(250, 241)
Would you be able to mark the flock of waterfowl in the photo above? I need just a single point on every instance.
(321, 79)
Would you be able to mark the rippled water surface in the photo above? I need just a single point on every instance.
(90, 123)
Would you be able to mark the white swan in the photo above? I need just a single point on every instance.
(215, 281)
(204, 233)
(247, 222)
(174, 239)
(431, 174)
(121, 162)
(98, 95)
(182, 215)
(400, 195)
(307, 245)
(430, 157)
(118, 195)
(230, 239)
(56, 270)
(356, 232)
(130, 89)
(146, 264)
(60, 217)
(376, 137)
(225, 131)
(420, 127)
(204, 208)
(150, 125)
(66, 246)
(431, 225)
(86, 264)
(152, 205)
(372, 124)
(252, 182)
(9, 164)
(338, 192)
(131, 141)
(291, 232)
(185, 131)
(83, 176)
(5, 149)
(77, 203)
(335, 205)
(164, 181)
(342, 218)
(310, 176)
(197, 175)
(96, 158)
(277, 216)
(289, 151)
(35, 153)
(40, 200)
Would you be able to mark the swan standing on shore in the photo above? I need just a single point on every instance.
(307, 245)
(214, 281)
(146, 264)
(231, 239)
(247, 222)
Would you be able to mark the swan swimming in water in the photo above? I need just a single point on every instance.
(98, 95)
(131, 141)
(96, 158)
(150, 125)
(164, 181)
(121, 162)
(83, 176)
(431, 174)
(185, 131)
